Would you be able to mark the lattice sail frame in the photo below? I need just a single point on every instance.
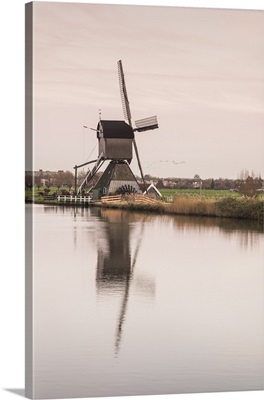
(142, 125)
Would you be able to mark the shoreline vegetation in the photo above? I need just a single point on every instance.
(230, 205)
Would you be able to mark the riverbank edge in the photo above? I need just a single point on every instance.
(250, 209)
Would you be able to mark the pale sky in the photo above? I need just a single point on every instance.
(199, 70)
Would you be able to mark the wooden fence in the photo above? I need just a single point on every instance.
(137, 198)
(141, 199)
(74, 199)
(111, 199)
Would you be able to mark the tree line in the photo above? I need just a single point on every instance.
(58, 179)
(247, 183)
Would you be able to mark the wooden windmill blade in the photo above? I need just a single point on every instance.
(123, 92)
(127, 112)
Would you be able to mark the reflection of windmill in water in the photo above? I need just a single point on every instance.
(116, 263)
(115, 142)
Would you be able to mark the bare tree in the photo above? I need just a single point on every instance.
(37, 181)
(249, 185)
(59, 179)
(81, 176)
(68, 179)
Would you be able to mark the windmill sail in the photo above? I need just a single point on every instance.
(146, 124)
(123, 92)
(127, 112)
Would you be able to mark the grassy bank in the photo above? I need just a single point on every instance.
(37, 195)
(195, 192)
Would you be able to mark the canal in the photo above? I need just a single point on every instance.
(132, 303)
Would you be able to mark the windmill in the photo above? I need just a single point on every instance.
(115, 142)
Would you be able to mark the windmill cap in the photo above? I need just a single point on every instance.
(114, 130)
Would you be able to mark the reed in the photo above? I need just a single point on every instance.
(190, 205)
(243, 208)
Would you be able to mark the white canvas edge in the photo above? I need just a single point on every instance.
(12, 202)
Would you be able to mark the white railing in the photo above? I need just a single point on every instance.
(169, 199)
(74, 199)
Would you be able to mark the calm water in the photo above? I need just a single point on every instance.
(133, 304)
